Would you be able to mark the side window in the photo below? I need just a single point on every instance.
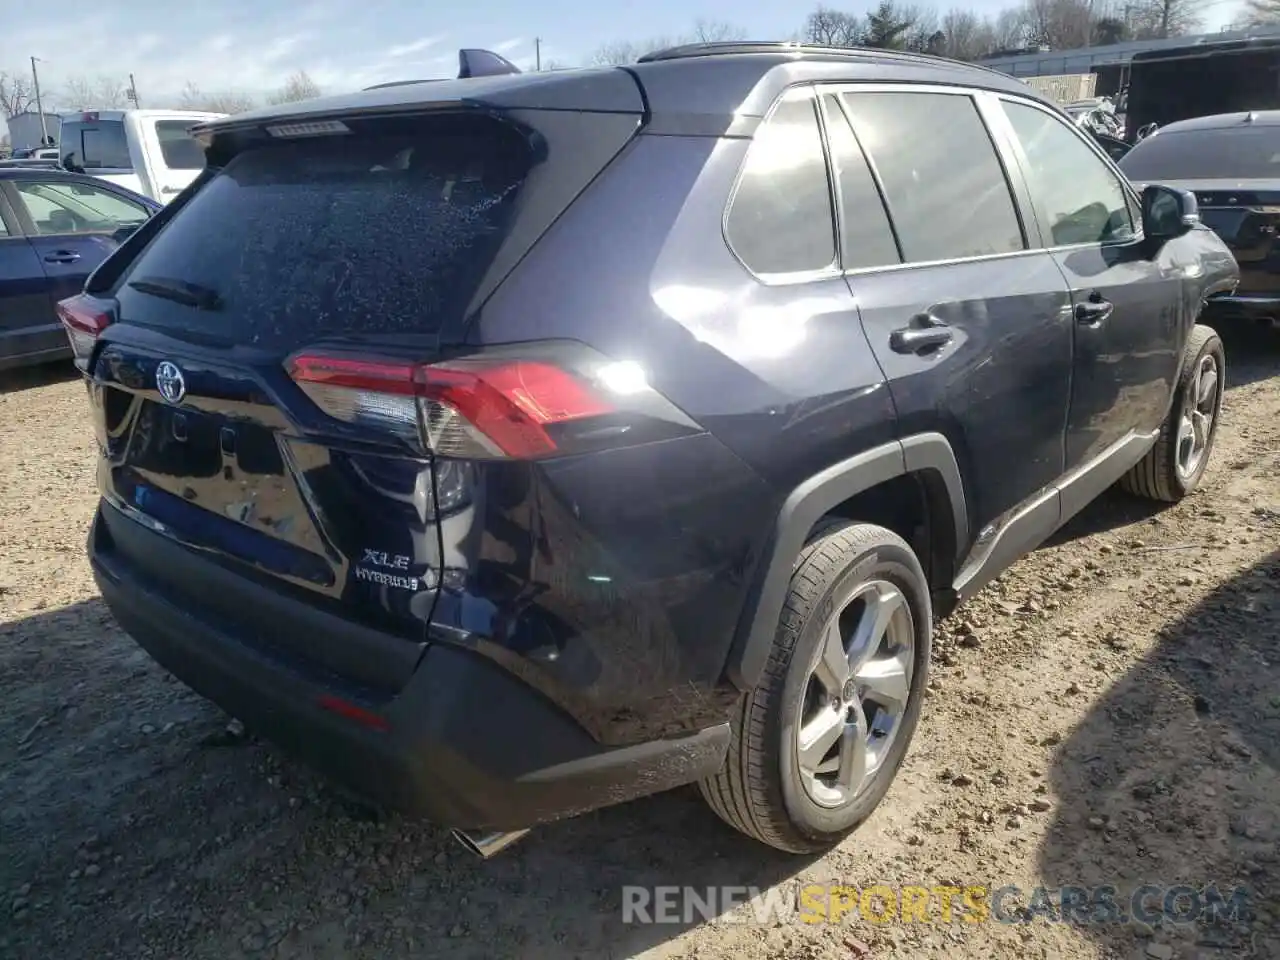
(780, 219)
(1079, 199)
(62, 207)
(946, 190)
(866, 239)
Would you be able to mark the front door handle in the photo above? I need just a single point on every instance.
(1094, 311)
(925, 333)
(62, 256)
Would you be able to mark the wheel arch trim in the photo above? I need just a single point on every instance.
(804, 507)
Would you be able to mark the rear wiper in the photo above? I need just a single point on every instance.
(179, 291)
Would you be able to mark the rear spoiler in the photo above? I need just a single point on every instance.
(471, 63)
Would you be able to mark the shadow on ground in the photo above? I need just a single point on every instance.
(1174, 779)
(1253, 352)
(40, 375)
(133, 825)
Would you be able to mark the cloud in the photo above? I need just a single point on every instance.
(504, 46)
(416, 46)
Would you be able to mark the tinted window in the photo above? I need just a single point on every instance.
(180, 150)
(97, 145)
(780, 220)
(865, 235)
(1236, 154)
(946, 190)
(337, 235)
(1080, 200)
(59, 207)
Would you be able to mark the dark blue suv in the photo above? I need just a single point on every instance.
(516, 445)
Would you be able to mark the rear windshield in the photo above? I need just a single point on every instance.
(180, 150)
(1236, 154)
(96, 145)
(333, 236)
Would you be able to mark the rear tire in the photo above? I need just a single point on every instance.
(1173, 468)
(859, 598)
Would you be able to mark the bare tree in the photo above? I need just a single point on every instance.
(629, 51)
(1263, 11)
(299, 86)
(1011, 29)
(1157, 19)
(966, 36)
(1060, 24)
(82, 93)
(16, 95)
(716, 31)
(224, 101)
(832, 28)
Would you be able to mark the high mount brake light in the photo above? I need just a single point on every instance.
(84, 319)
(471, 408)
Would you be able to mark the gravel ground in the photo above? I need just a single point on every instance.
(1108, 712)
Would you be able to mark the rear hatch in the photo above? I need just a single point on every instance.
(208, 343)
(97, 143)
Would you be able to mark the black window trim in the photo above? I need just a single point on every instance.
(799, 91)
(1133, 201)
(822, 92)
(1014, 179)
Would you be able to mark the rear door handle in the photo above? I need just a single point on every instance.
(1094, 311)
(61, 256)
(926, 333)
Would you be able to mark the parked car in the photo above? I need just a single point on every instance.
(1231, 162)
(36, 163)
(514, 446)
(36, 153)
(147, 151)
(55, 228)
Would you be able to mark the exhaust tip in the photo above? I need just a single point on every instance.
(487, 845)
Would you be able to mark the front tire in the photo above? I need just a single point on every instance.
(1173, 468)
(817, 743)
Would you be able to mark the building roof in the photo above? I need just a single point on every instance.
(1047, 63)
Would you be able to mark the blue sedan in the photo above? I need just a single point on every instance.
(55, 228)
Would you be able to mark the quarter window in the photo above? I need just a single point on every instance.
(946, 189)
(1078, 198)
(780, 220)
(866, 239)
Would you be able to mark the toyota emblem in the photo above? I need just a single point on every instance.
(170, 382)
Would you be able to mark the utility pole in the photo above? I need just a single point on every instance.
(35, 79)
(537, 54)
(132, 93)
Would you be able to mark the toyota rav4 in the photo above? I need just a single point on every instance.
(515, 445)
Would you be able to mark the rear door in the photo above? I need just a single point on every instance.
(27, 322)
(1129, 323)
(970, 322)
(73, 226)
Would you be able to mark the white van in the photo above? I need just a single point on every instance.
(147, 151)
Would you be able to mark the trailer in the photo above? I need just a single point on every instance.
(1065, 88)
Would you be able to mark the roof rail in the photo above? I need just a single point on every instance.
(726, 48)
(471, 63)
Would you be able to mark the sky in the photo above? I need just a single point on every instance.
(253, 45)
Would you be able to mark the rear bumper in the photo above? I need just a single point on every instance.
(1243, 306)
(464, 743)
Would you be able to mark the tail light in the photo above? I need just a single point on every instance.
(544, 401)
(85, 318)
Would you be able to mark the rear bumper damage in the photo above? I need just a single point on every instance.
(463, 743)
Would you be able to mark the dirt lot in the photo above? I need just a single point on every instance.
(1107, 713)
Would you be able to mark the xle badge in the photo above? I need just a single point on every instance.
(390, 570)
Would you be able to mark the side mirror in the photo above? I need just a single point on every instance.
(1168, 212)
